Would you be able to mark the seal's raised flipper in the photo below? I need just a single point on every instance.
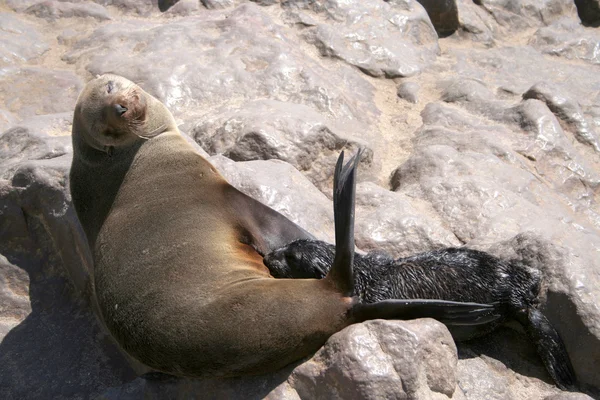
(549, 346)
(344, 187)
(448, 312)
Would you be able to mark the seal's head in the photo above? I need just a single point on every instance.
(114, 112)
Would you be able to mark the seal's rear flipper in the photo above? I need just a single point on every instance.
(447, 312)
(344, 187)
(550, 347)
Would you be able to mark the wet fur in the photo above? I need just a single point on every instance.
(456, 274)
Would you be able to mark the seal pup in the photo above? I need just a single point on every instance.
(457, 274)
(178, 273)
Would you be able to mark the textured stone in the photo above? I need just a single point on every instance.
(409, 91)
(381, 39)
(398, 360)
(566, 110)
(281, 187)
(400, 226)
(168, 61)
(267, 129)
(53, 10)
(19, 41)
(568, 39)
(33, 91)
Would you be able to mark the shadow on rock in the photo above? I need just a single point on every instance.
(58, 351)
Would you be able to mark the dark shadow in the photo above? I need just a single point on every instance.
(58, 351)
(589, 12)
(509, 346)
(164, 5)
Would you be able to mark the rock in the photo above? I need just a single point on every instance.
(35, 139)
(30, 91)
(255, 58)
(382, 360)
(184, 7)
(589, 12)
(409, 91)
(476, 23)
(399, 225)
(268, 129)
(217, 4)
(281, 187)
(568, 39)
(565, 109)
(523, 14)
(14, 296)
(19, 41)
(391, 39)
(53, 10)
(443, 15)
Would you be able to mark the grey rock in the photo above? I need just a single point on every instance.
(19, 41)
(30, 91)
(281, 187)
(268, 129)
(255, 56)
(53, 10)
(476, 23)
(14, 296)
(394, 223)
(7, 119)
(381, 39)
(58, 349)
(382, 360)
(568, 39)
(589, 12)
(409, 91)
(265, 2)
(523, 14)
(568, 396)
(37, 138)
(185, 7)
(443, 15)
(217, 4)
(565, 109)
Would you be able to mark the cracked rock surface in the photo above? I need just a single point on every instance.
(486, 136)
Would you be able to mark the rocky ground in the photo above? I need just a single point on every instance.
(481, 124)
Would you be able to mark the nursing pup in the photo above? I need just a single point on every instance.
(456, 274)
(178, 276)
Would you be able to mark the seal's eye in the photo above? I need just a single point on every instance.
(110, 86)
(120, 109)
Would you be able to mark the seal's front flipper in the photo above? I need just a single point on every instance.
(447, 312)
(344, 187)
(550, 347)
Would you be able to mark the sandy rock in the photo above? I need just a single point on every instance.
(267, 129)
(254, 58)
(409, 91)
(399, 225)
(382, 360)
(30, 91)
(19, 41)
(281, 187)
(53, 10)
(390, 39)
(566, 110)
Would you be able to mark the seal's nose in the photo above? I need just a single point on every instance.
(120, 109)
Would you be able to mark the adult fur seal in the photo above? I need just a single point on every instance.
(458, 274)
(178, 271)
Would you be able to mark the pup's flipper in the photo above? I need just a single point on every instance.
(550, 347)
(448, 312)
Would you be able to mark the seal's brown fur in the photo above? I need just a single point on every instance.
(178, 277)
